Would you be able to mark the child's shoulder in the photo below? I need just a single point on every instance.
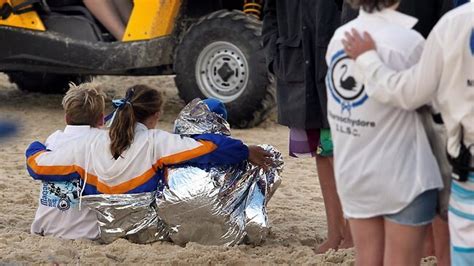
(399, 38)
(54, 137)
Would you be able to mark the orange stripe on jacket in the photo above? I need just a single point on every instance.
(207, 147)
(49, 170)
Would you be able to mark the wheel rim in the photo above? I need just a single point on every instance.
(222, 71)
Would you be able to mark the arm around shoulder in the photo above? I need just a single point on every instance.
(46, 165)
(206, 148)
(407, 89)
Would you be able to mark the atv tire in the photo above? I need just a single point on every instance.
(221, 56)
(45, 82)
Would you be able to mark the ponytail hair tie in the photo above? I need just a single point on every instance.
(119, 104)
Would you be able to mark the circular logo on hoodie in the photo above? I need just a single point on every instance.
(344, 88)
(64, 204)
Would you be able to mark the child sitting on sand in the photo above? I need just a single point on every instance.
(387, 177)
(130, 158)
(58, 214)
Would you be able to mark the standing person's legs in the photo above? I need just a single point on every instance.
(106, 13)
(124, 7)
(347, 241)
(402, 244)
(405, 231)
(368, 235)
(332, 205)
(428, 245)
(305, 142)
(441, 242)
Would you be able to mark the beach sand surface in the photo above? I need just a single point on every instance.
(296, 211)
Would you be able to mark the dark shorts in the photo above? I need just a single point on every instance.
(310, 142)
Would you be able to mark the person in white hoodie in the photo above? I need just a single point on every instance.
(129, 158)
(444, 75)
(58, 212)
(386, 175)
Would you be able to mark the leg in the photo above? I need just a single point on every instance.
(334, 217)
(441, 242)
(347, 241)
(368, 237)
(428, 246)
(124, 7)
(106, 13)
(405, 231)
(402, 244)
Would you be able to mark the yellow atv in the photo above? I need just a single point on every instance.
(212, 46)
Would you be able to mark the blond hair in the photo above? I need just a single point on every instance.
(84, 104)
(142, 102)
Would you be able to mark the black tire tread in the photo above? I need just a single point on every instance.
(251, 28)
(45, 82)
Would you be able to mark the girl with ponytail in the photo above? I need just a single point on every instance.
(141, 104)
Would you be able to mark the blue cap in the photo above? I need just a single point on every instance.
(217, 107)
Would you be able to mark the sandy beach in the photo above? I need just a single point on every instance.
(296, 211)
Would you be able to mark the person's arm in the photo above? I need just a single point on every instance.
(43, 164)
(204, 149)
(408, 89)
(270, 32)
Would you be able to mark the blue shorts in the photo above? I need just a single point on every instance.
(421, 211)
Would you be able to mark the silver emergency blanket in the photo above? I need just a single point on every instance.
(219, 205)
(213, 206)
(130, 216)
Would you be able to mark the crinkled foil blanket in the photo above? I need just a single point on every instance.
(214, 206)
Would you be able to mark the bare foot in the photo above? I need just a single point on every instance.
(327, 245)
(347, 240)
(346, 243)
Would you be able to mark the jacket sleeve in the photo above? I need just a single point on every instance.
(43, 164)
(270, 32)
(228, 151)
(408, 89)
(173, 149)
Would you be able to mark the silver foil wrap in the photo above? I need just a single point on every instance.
(219, 205)
(214, 206)
(130, 216)
(195, 119)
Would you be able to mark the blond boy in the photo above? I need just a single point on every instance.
(58, 212)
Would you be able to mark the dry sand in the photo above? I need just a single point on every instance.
(296, 211)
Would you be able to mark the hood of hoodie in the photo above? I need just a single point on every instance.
(102, 163)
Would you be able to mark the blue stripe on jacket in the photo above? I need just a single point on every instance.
(34, 148)
(228, 151)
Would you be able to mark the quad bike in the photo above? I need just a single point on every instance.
(212, 46)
